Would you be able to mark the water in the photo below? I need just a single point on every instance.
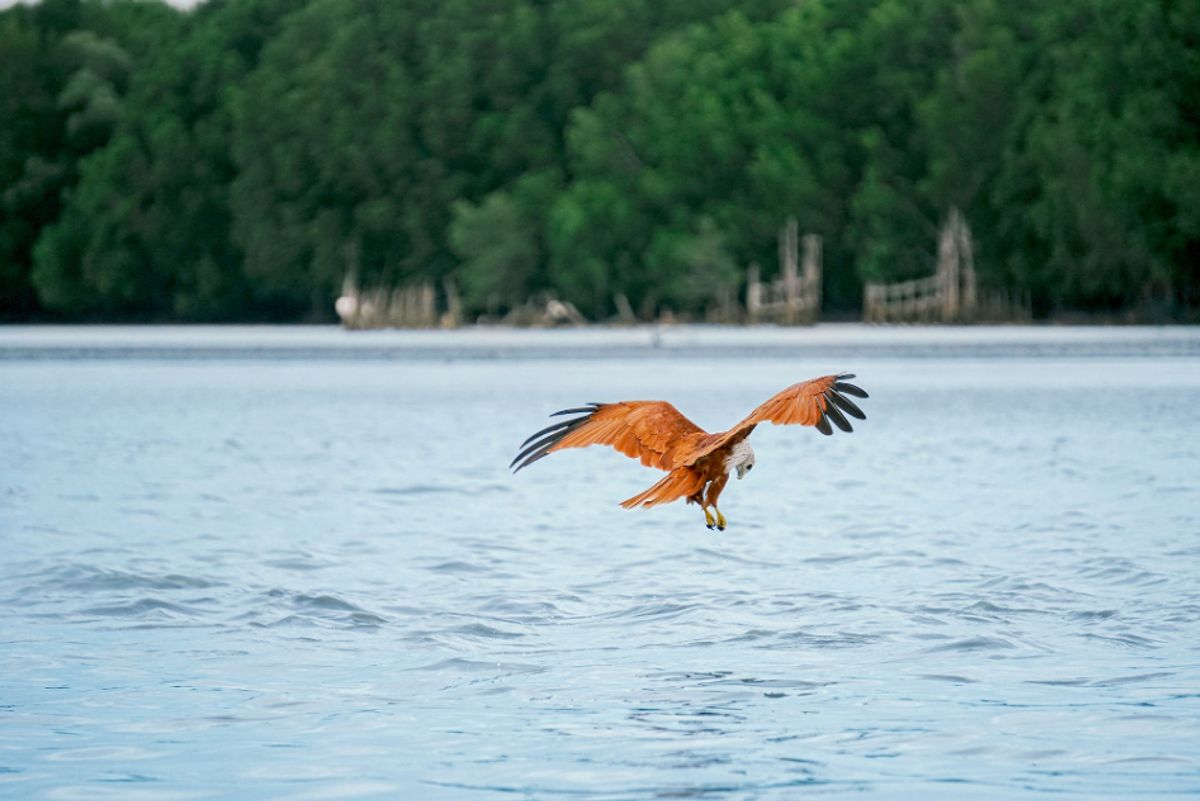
(291, 564)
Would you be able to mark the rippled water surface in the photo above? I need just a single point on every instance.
(291, 564)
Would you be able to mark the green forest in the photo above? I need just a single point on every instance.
(236, 162)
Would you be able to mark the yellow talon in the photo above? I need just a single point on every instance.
(720, 521)
(709, 520)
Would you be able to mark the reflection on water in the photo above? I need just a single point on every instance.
(271, 564)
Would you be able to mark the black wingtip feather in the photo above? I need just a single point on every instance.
(824, 427)
(833, 413)
(531, 460)
(547, 430)
(541, 447)
(544, 442)
(850, 389)
(847, 406)
(581, 410)
(532, 451)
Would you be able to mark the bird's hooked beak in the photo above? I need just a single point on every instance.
(742, 470)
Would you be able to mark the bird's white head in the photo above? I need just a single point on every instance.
(741, 458)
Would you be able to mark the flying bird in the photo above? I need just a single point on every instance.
(698, 464)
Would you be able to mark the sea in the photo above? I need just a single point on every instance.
(292, 563)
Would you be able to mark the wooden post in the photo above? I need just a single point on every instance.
(453, 315)
(428, 305)
(366, 308)
(812, 276)
(753, 292)
(969, 297)
(624, 309)
(788, 261)
(947, 269)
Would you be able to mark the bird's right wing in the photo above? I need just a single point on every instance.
(810, 403)
(652, 431)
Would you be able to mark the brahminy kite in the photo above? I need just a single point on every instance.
(698, 464)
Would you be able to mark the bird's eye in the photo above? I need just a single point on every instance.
(749, 467)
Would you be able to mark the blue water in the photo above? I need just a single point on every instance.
(291, 564)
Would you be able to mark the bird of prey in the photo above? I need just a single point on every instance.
(698, 464)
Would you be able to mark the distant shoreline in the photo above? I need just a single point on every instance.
(833, 342)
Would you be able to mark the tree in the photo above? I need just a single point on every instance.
(147, 231)
(722, 132)
(498, 246)
(31, 173)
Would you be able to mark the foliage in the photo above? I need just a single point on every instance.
(240, 160)
(499, 250)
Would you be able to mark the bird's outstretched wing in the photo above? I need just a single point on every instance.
(652, 431)
(818, 402)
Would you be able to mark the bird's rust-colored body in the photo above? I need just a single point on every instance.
(698, 464)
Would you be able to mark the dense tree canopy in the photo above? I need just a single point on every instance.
(239, 161)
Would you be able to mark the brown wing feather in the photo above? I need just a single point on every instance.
(817, 402)
(653, 432)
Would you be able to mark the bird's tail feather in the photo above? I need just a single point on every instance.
(679, 483)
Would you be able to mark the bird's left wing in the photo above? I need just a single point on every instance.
(817, 402)
(652, 431)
